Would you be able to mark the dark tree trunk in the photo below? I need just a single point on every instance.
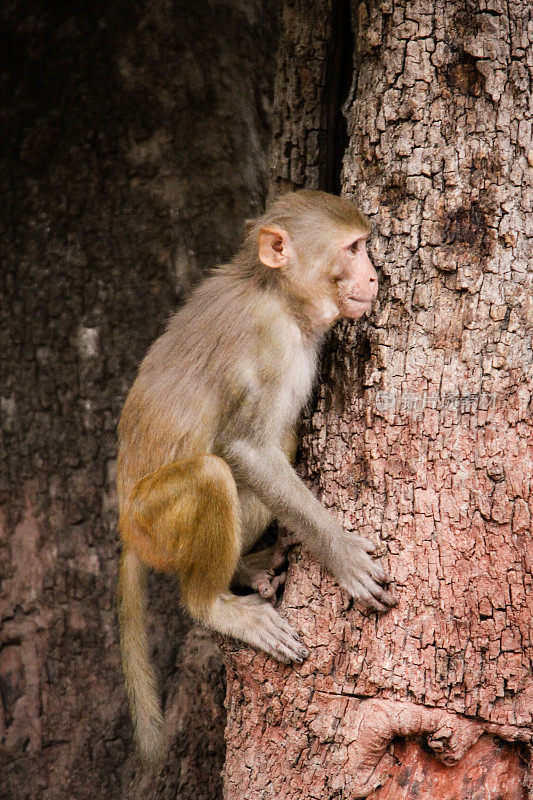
(134, 135)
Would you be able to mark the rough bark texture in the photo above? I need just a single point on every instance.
(131, 167)
(420, 435)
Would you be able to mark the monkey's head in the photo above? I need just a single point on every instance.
(316, 242)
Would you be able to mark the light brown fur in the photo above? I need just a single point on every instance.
(208, 432)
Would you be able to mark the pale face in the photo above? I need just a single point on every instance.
(335, 280)
(356, 278)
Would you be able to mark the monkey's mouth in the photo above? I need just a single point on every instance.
(355, 307)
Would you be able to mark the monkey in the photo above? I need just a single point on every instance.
(208, 431)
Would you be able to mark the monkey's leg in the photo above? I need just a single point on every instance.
(257, 570)
(189, 513)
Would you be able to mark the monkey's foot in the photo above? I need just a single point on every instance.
(275, 636)
(256, 622)
(258, 571)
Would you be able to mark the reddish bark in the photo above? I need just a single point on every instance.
(489, 769)
(420, 435)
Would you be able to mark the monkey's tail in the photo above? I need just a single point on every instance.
(141, 682)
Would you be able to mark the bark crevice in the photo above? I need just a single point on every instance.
(339, 72)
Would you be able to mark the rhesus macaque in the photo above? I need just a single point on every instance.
(208, 430)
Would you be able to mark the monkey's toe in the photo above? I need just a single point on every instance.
(266, 584)
(279, 639)
(264, 589)
(370, 601)
(390, 598)
(379, 574)
(368, 545)
(279, 558)
(382, 600)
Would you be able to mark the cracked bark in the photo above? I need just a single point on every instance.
(130, 168)
(420, 434)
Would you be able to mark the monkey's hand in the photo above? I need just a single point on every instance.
(358, 573)
(268, 473)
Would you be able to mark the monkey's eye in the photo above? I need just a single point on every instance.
(354, 247)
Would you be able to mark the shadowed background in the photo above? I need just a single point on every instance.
(134, 140)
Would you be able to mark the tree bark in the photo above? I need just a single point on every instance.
(420, 434)
(130, 169)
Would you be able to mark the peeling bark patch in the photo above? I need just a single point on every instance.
(395, 191)
(463, 76)
(467, 225)
(489, 770)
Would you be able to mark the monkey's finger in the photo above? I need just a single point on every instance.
(374, 583)
(367, 545)
(370, 600)
(378, 573)
(375, 605)
(382, 596)
(389, 598)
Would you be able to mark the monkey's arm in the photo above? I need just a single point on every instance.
(268, 473)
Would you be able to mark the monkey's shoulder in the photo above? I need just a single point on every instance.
(277, 351)
(272, 387)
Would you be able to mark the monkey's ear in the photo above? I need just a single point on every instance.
(275, 248)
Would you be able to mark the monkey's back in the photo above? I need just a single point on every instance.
(194, 376)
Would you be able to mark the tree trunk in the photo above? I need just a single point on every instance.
(420, 434)
(130, 169)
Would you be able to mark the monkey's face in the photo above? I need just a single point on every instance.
(355, 277)
(327, 268)
(334, 274)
